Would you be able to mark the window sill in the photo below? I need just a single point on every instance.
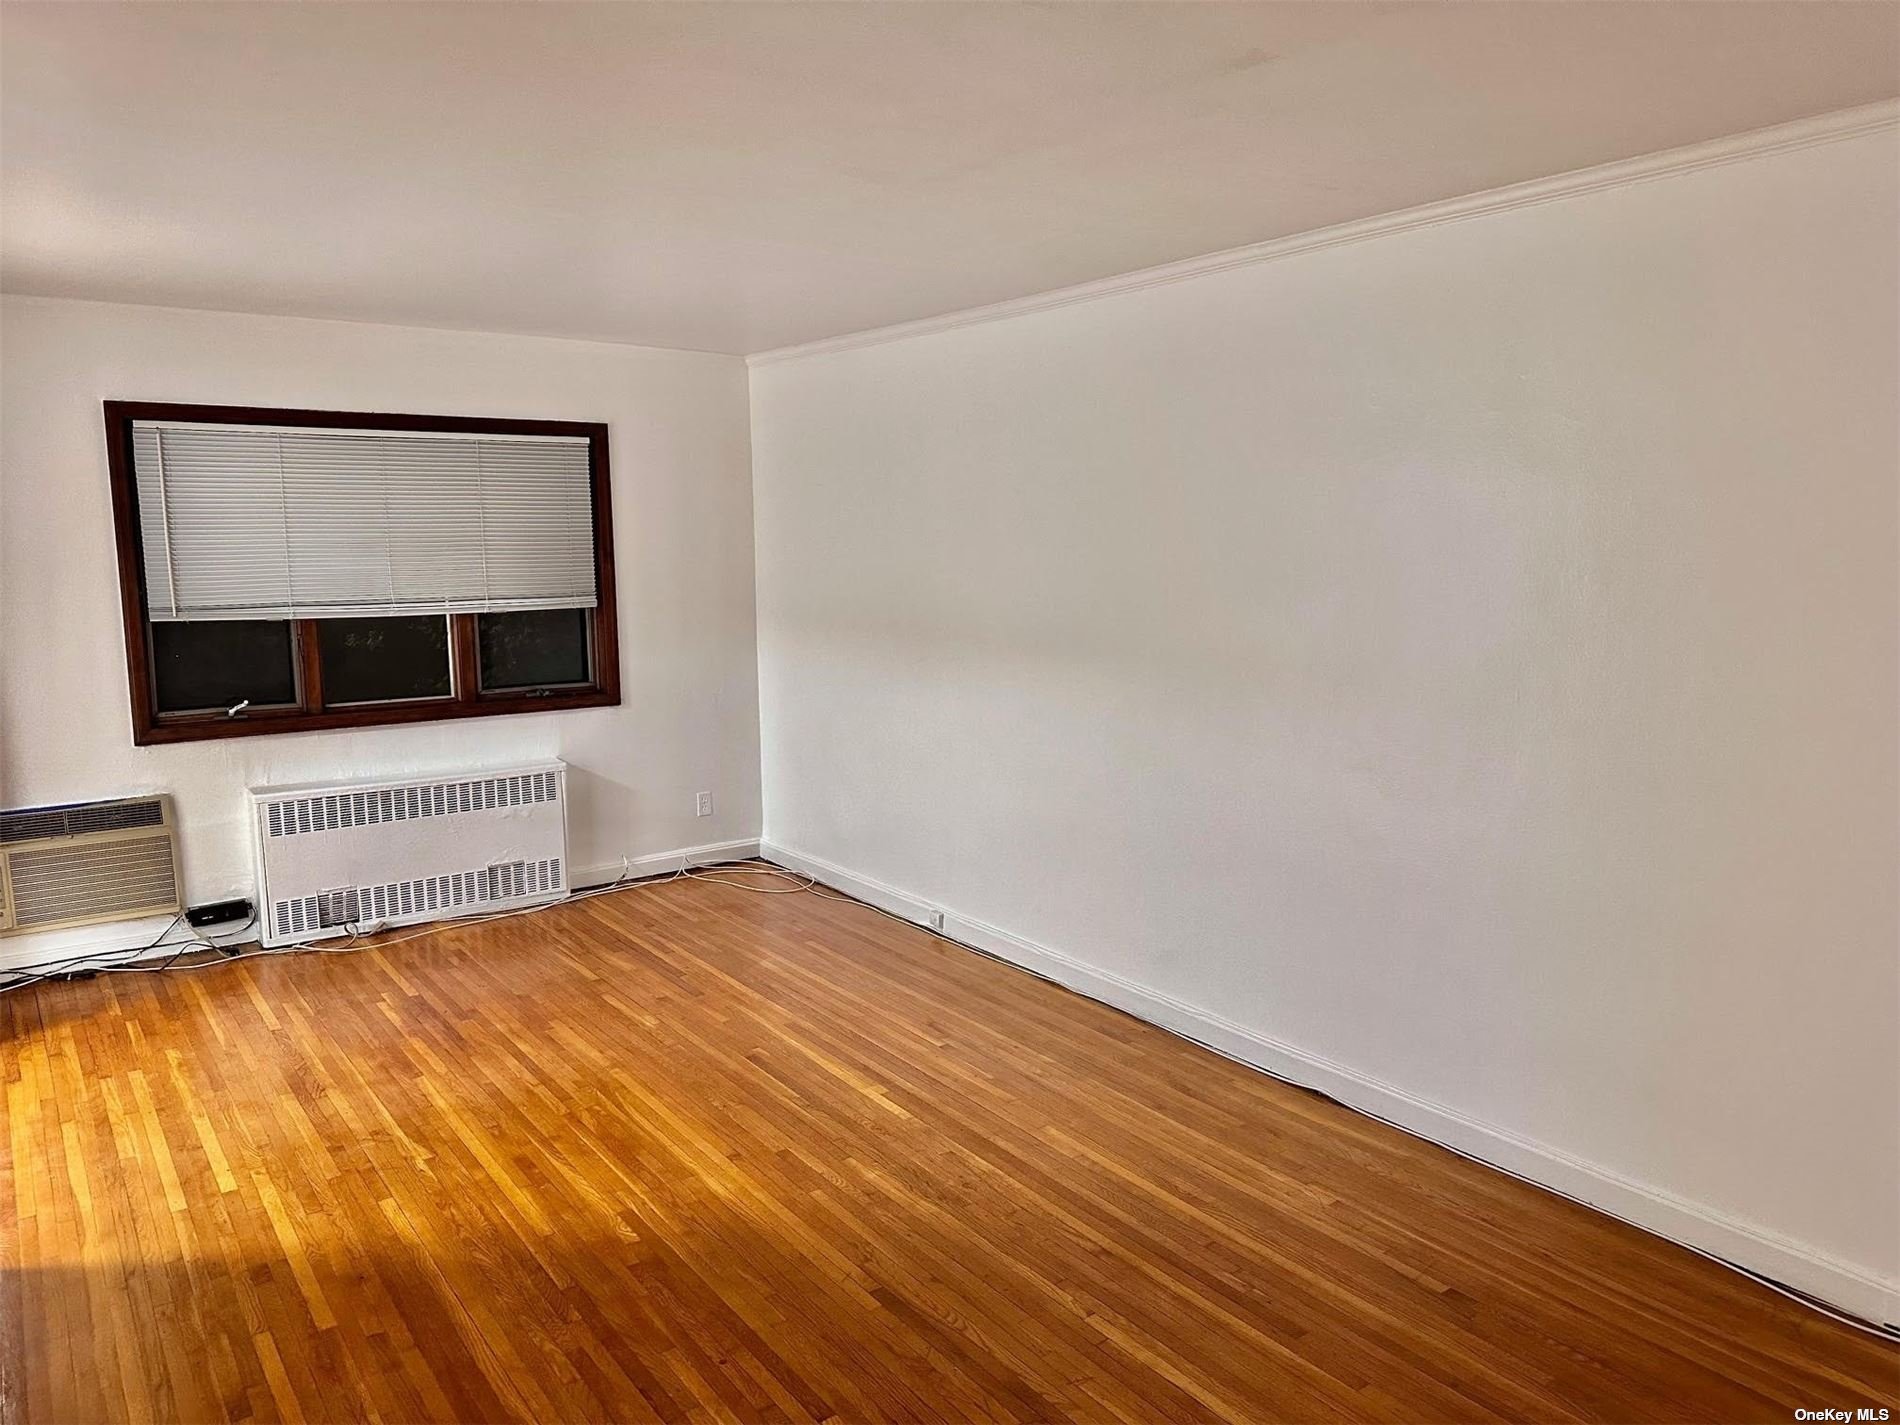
(206, 729)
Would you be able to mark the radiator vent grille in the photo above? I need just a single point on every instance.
(79, 819)
(469, 890)
(339, 908)
(92, 880)
(332, 811)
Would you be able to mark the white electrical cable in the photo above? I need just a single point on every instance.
(714, 871)
(90, 962)
(718, 872)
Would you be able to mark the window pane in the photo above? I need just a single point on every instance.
(218, 664)
(376, 660)
(539, 648)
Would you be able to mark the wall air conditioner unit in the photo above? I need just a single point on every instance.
(334, 859)
(87, 862)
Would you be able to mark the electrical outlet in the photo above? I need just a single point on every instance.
(934, 919)
(703, 806)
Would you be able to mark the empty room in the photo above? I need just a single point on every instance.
(783, 713)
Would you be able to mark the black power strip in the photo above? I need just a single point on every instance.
(217, 913)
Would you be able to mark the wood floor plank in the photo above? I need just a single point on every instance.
(686, 1153)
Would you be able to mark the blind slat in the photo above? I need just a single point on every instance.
(241, 523)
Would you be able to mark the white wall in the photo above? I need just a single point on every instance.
(1467, 656)
(683, 536)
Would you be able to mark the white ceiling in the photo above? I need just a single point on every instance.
(736, 177)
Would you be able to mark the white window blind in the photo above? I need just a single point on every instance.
(246, 522)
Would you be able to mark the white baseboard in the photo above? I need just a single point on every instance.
(1678, 1219)
(114, 937)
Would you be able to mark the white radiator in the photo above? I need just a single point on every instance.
(337, 858)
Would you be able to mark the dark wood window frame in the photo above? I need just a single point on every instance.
(150, 726)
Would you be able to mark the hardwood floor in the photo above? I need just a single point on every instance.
(688, 1153)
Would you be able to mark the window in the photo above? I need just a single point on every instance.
(540, 648)
(284, 571)
(384, 660)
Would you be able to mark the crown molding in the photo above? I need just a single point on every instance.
(1781, 138)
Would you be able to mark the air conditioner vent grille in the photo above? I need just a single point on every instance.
(92, 880)
(79, 819)
(332, 811)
